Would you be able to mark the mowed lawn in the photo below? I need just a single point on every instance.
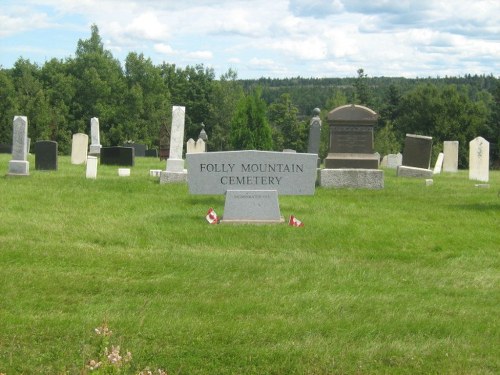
(403, 280)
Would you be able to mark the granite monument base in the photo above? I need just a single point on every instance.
(252, 207)
(351, 160)
(19, 168)
(404, 171)
(352, 178)
(167, 177)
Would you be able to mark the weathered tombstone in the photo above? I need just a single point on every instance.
(175, 171)
(95, 138)
(417, 151)
(139, 148)
(479, 159)
(394, 160)
(439, 163)
(152, 153)
(314, 140)
(91, 171)
(79, 148)
(351, 138)
(117, 155)
(450, 162)
(193, 147)
(383, 163)
(203, 136)
(251, 180)
(46, 155)
(19, 165)
(124, 172)
(416, 157)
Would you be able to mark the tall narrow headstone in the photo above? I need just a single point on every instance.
(175, 171)
(450, 161)
(479, 159)
(95, 139)
(79, 148)
(19, 165)
(46, 155)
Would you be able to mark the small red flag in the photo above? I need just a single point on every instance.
(212, 217)
(294, 222)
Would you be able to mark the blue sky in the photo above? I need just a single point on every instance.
(267, 38)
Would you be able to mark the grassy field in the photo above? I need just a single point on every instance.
(404, 280)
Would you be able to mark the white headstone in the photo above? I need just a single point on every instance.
(450, 162)
(19, 164)
(91, 167)
(394, 160)
(95, 139)
(439, 163)
(193, 147)
(175, 163)
(479, 159)
(123, 172)
(79, 148)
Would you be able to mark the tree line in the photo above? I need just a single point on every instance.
(133, 103)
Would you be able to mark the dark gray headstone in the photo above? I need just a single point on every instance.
(139, 149)
(417, 151)
(351, 138)
(117, 156)
(46, 155)
(314, 133)
(153, 153)
(5, 148)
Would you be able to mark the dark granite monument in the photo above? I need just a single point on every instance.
(117, 156)
(46, 155)
(152, 153)
(417, 151)
(351, 138)
(139, 149)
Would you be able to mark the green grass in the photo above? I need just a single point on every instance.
(404, 280)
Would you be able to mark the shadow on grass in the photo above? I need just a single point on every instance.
(481, 207)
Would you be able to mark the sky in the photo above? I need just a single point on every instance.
(267, 38)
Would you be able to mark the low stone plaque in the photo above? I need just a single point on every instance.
(217, 172)
(252, 206)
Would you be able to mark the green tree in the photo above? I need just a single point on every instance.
(288, 131)
(100, 90)
(8, 106)
(362, 90)
(250, 129)
(147, 100)
(226, 94)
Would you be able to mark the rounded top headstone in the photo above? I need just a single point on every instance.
(352, 113)
(316, 111)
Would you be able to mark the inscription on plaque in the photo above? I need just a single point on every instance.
(352, 139)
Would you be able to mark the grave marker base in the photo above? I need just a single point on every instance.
(19, 168)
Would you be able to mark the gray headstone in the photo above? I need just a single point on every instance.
(79, 148)
(355, 178)
(217, 172)
(117, 156)
(175, 163)
(46, 155)
(19, 164)
(450, 162)
(404, 171)
(153, 153)
(95, 138)
(139, 148)
(314, 142)
(394, 160)
(479, 159)
(417, 151)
